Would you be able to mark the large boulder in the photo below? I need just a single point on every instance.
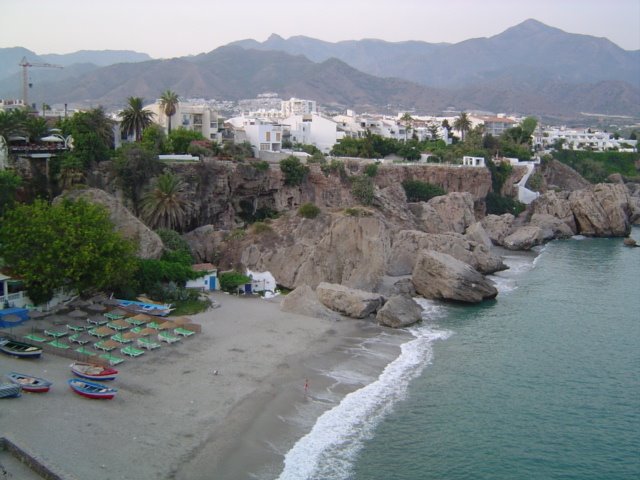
(498, 227)
(205, 243)
(348, 301)
(477, 233)
(551, 227)
(304, 301)
(557, 205)
(524, 238)
(408, 243)
(399, 311)
(441, 277)
(602, 210)
(453, 212)
(558, 175)
(149, 243)
(333, 247)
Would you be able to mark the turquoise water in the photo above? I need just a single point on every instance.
(543, 383)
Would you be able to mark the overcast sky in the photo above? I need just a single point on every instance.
(164, 28)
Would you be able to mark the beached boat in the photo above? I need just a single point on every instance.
(19, 349)
(157, 309)
(8, 390)
(91, 390)
(29, 383)
(93, 371)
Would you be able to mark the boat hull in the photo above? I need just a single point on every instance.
(10, 390)
(19, 349)
(30, 383)
(95, 391)
(90, 371)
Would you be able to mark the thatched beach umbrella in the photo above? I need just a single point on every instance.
(145, 332)
(57, 319)
(96, 307)
(97, 320)
(99, 298)
(167, 326)
(181, 320)
(36, 314)
(130, 335)
(78, 314)
(102, 332)
(78, 303)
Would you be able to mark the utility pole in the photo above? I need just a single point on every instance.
(25, 64)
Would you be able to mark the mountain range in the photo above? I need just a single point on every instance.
(530, 68)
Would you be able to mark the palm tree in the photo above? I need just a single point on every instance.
(462, 124)
(135, 118)
(165, 204)
(12, 123)
(168, 103)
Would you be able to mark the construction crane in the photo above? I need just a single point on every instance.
(25, 64)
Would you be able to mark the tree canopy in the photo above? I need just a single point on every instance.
(71, 245)
(135, 118)
(168, 104)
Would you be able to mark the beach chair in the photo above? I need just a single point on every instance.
(85, 351)
(112, 359)
(183, 332)
(155, 325)
(118, 325)
(131, 351)
(56, 333)
(35, 337)
(106, 345)
(147, 343)
(168, 337)
(120, 338)
(58, 344)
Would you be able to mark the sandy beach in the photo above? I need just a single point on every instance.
(206, 407)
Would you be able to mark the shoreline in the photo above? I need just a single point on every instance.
(173, 417)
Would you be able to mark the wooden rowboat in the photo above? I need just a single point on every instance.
(91, 390)
(29, 383)
(93, 371)
(19, 349)
(8, 390)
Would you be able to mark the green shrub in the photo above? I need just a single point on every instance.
(362, 189)
(261, 166)
(419, 191)
(261, 227)
(498, 205)
(308, 210)
(230, 281)
(371, 170)
(294, 171)
(356, 212)
(335, 166)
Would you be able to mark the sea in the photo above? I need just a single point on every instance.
(542, 383)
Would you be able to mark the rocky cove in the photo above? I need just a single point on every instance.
(361, 261)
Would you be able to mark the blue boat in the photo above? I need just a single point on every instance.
(91, 390)
(157, 309)
(9, 390)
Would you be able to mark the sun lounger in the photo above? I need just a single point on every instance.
(35, 337)
(155, 325)
(147, 343)
(132, 351)
(106, 345)
(57, 333)
(165, 336)
(112, 359)
(183, 332)
(58, 344)
(119, 337)
(118, 325)
(77, 327)
(85, 351)
(113, 316)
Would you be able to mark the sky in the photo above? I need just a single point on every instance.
(169, 28)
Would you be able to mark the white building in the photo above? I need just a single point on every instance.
(313, 129)
(297, 106)
(264, 135)
(196, 116)
(209, 279)
(579, 139)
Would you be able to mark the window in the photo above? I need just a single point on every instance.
(265, 146)
(277, 136)
(268, 136)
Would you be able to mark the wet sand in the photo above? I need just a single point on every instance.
(174, 417)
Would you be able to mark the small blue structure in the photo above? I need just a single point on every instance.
(22, 313)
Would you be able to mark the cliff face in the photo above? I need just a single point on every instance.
(220, 191)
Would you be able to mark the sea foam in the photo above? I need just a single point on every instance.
(330, 448)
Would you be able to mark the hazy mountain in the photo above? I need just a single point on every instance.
(234, 73)
(100, 58)
(10, 59)
(551, 52)
(528, 69)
